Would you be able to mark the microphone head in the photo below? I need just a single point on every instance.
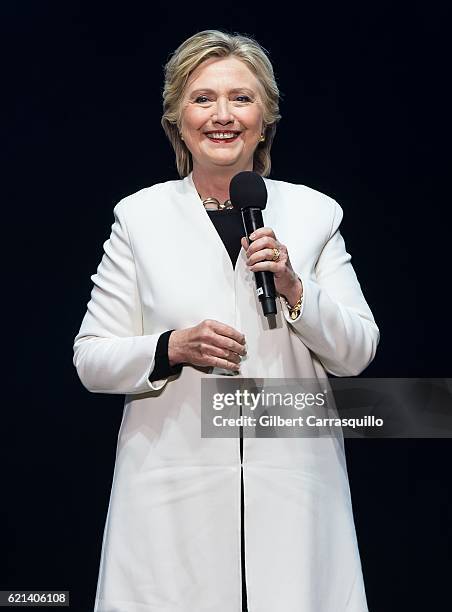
(248, 190)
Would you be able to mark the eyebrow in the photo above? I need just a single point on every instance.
(235, 90)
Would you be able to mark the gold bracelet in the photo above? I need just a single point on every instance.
(294, 311)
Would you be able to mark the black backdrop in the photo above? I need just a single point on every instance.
(364, 110)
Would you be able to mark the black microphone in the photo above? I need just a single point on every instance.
(248, 193)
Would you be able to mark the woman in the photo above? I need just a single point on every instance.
(208, 524)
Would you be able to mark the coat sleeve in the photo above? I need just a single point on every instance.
(111, 354)
(335, 322)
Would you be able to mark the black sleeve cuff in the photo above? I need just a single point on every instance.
(162, 368)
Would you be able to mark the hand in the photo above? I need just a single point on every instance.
(260, 254)
(210, 343)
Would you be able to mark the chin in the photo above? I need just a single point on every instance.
(225, 163)
(227, 159)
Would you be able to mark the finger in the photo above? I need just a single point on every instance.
(223, 329)
(216, 351)
(245, 243)
(262, 255)
(267, 266)
(218, 362)
(261, 243)
(228, 344)
(262, 231)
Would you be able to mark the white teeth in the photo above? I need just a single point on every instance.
(224, 135)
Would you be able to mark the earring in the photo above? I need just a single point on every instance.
(180, 136)
(262, 138)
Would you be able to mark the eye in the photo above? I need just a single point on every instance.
(243, 99)
(201, 99)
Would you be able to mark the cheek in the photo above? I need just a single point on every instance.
(194, 119)
(252, 118)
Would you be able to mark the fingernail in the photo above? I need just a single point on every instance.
(252, 236)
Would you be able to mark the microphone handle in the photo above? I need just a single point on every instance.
(265, 283)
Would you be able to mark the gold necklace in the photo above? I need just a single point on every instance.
(214, 204)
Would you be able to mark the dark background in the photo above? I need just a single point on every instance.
(364, 111)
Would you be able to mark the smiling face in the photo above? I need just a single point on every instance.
(222, 115)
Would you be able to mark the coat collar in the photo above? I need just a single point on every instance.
(199, 214)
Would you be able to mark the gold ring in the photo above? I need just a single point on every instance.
(276, 253)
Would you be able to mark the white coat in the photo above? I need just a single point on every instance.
(172, 534)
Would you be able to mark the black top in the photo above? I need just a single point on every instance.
(228, 223)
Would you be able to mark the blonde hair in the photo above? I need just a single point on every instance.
(188, 56)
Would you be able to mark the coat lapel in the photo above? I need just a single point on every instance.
(214, 243)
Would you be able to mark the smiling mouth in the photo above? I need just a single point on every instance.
(222, 137)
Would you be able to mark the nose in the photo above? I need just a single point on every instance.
(222, 113)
